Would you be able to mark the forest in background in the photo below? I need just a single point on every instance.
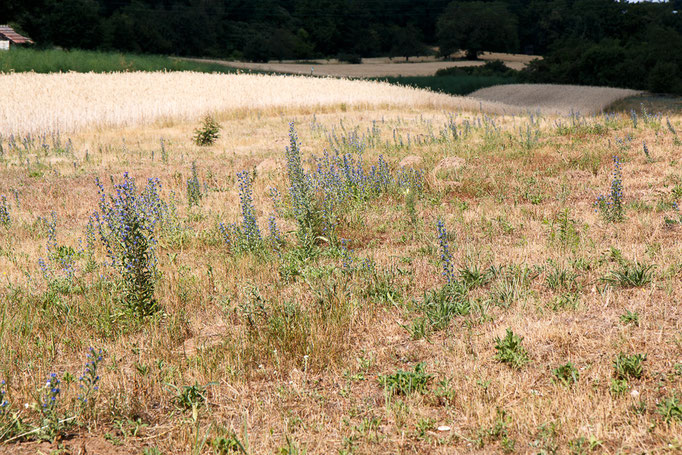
(591, 42)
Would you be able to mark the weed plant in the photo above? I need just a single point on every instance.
(406, 382)
(511, 351)
(566, 374)
(611, 206)
(629, 366)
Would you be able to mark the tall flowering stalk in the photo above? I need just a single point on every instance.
(300, 191)
(445, 255)
(5, 219)
(126, 223)
(611, 206)
(250, 231)
(194, 188)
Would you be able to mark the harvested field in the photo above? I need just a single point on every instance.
(554, 98)
(66, 102)
(376, 67)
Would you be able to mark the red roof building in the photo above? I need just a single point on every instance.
(7, 33)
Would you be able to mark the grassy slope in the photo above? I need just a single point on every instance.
(292, 346)
(48, 61)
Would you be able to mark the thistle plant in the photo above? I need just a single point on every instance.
(208, 133)
(194, 195)
(611, 206)
(5, 219)
(127, 222)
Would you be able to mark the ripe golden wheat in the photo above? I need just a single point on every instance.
(69, 101)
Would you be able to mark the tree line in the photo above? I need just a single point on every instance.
(599, 42)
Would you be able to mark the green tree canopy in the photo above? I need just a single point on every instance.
(476, 27)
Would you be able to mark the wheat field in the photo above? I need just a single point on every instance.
(339, 272)
(66, 102)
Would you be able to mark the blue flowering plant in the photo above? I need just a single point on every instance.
(50, 395)
(445, 255)
(611, 205)
(336, 181)
(5, 219)
(89, 380)
(194, 194)
(127, 222)
(246, 236)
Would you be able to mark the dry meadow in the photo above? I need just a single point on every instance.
(439, 281)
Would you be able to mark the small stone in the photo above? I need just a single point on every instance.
(443, 428)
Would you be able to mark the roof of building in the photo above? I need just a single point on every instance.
(9, 33)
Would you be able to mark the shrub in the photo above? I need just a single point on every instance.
(208, 132)
(350, 58)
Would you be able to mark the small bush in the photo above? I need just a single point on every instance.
(208, 133)
(510, 350)
(349, 58)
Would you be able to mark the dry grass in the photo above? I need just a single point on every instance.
(66, 102)
(555, 99)
(377, 67)
(291, 346)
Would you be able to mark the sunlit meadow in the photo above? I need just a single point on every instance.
(338, 277)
